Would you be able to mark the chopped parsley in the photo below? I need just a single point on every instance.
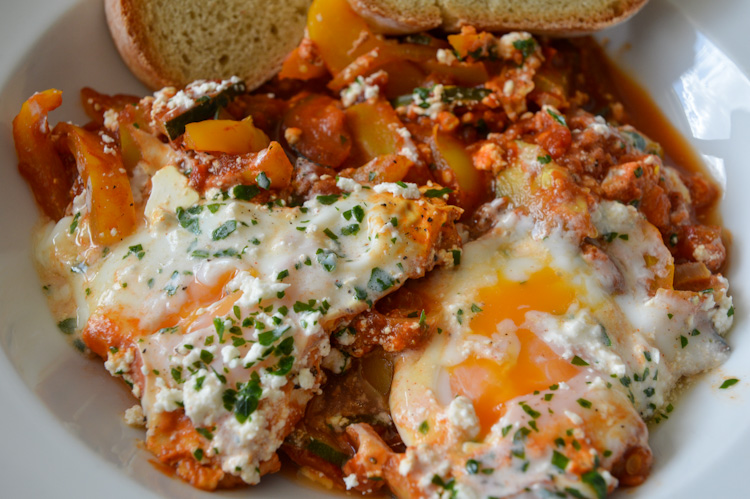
(327, 200)
(380, 280)
(188, 218)
(245, 192)
(424, 427)
(559, 461)
(224, 230)
(437, 193)
(577, 361)
(729, 382)
(74, 223)
(68, 326)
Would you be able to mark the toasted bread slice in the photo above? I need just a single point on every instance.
(174, 43)
(554, 17)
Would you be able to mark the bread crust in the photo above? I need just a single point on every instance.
(386, 20)
(124, 20)
(142, 33)
(389, 22)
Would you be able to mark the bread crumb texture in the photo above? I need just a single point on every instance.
(199, 39)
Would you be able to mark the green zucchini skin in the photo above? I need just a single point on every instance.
(459, 95)
(205, 108)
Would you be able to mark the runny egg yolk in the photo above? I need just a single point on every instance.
(200, 296)
(533, 366)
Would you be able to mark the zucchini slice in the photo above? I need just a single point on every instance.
(205, 108)
(451, 94)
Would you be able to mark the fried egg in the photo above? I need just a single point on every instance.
(217, 310)
(547, 360)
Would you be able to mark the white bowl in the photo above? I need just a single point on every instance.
(61, 415)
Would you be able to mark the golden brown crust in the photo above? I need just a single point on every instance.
(174, 43)
(451, 15)
(125, 25)
(388, 21)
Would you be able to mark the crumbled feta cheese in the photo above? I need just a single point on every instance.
(411, 191)
(230, 356)
(202, 399)
(134, 416)
(361, 88)
(574, 418)
(507, 42)
(336, 361)
(306, 379)
(434, 102)
(446, 56)
(252, 355)
(346, 338)
(409, 150)
(255, 290)
(111, 122)
(167, 399)
(351, 481)
(347, 184)
(120, 362)
(462, 416)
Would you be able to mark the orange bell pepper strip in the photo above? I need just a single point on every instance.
(470, 43)
(245, 169)
(387, 52)
(227, 136)
(95, 104)
(112, 216)
(469, 74)
(387, 168)
(374, 130)
(38, 161)
(403, 78)
(339, 34)
(297, 68)
(455, 169)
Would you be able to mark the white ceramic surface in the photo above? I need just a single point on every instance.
(60, 414)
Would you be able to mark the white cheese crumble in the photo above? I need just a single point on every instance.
(111, 122)
(506, 44)
(446, 56)
(411, 191)
(434, 102)
(361, 88)
(306, 379)
(409, 150)
(252, 355)
(351, 481)
(347, 184)
(230, 356)
(462, 416)
(119, 363)
(255, 290)
(134, 416)
(202, 399)
(336, 361)
(167, 399)
(573, 417)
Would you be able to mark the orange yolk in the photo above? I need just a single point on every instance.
(534, 366)
(200, 296)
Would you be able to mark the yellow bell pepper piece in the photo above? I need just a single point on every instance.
(456, 168)
(373, 127)
(227, 136)
(335, 29)
(112, 216)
